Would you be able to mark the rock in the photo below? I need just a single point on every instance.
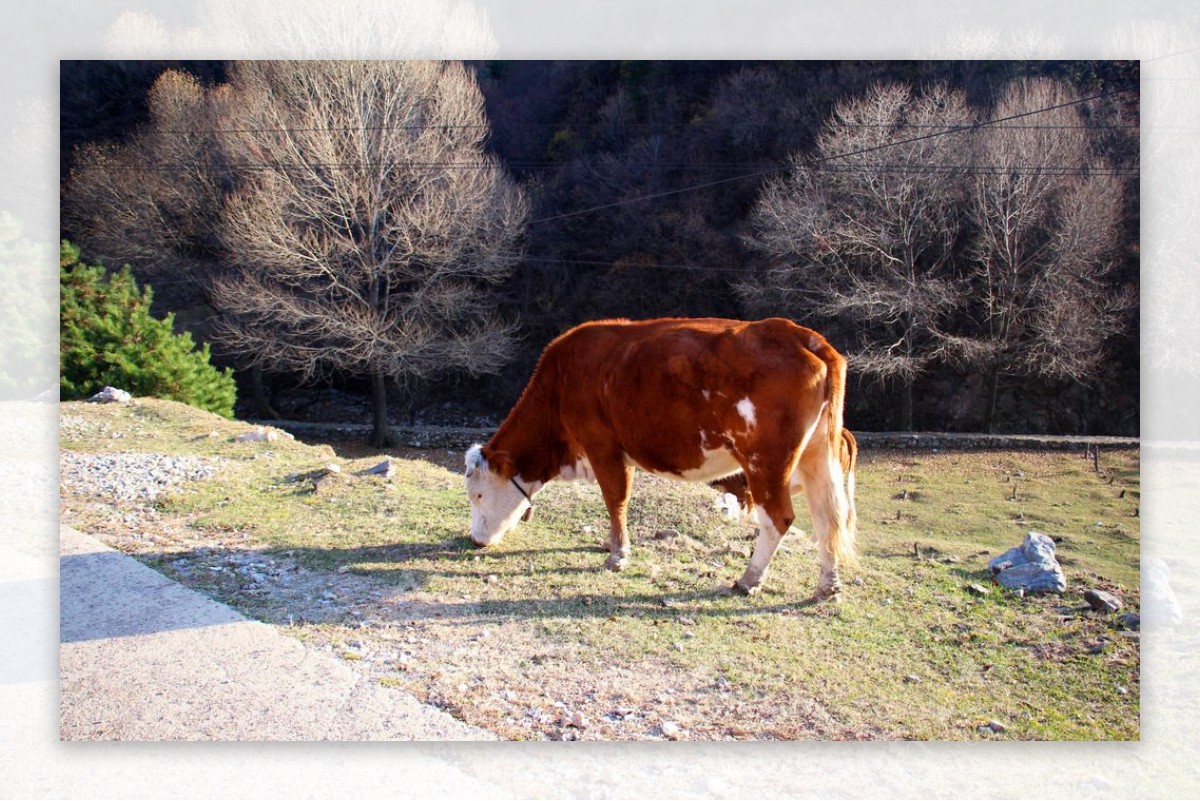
(978, 589)
(666, 534)
(1102, 601)
(1131, 621)
(727, 504)
(578, 720)
(671, 731)
(1031, 567)
(912, 678)
(384, 468)
(994, 726)
(259, 434)
(111, 395)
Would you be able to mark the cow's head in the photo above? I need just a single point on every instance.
(497, 503)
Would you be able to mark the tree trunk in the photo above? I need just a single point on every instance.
(989, 416)
(906, 406)
(381, 433)
(260, 397)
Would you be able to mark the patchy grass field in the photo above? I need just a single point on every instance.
(533, 639)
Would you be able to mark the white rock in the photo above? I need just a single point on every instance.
(727, 504)
(111, 395)
(671, 731)
(259, 434)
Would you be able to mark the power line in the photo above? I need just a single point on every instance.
(971, 169)
(826, 162)
(760, 173)
(580, 125)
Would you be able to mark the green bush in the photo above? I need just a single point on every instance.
(108, 338)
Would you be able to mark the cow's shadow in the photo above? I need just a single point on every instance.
(401, 573)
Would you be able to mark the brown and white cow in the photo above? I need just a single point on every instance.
(692, 399)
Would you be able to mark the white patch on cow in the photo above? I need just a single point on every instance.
(718, 463)
(581, 470)
(707, 395)
(745, 408)
(474, 459)
(496, 504)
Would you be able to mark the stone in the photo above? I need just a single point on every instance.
(1031, 567)
(1102, 601)
(978, 589)
(111, 395)
(259, 434)
(384, 468)
(671, 731)
(727, 504)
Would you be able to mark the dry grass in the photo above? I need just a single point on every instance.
(534, 639)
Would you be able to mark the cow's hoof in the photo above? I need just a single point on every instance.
(828, 595)
(616, 563)
(743, 589)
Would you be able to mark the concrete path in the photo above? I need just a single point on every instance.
(142, 657)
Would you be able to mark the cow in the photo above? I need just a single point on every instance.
(686, 398)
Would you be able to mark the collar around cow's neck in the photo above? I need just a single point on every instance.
(521, 490)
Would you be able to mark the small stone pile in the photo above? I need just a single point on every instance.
(129, 476)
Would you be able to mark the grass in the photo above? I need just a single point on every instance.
(910, 653)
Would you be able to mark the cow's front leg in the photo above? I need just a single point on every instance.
(615, 479)
(771, 528)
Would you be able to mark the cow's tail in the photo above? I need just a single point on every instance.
(842, 448)
(849, 464)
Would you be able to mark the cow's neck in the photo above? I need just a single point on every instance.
(529, 444)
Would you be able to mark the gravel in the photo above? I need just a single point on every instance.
(129, 476)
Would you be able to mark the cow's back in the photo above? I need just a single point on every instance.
(666, 391)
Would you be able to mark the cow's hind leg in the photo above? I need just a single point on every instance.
(832, 530)
(773, 513)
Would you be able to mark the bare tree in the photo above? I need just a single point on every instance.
(1047, 211)
(370, 223)
(864, 230)
(155, 201)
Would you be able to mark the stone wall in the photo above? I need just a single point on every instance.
(462, 438)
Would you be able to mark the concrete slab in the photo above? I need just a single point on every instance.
(142, 657)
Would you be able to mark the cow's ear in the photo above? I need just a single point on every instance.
(474, 459)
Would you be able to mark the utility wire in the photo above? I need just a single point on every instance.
(760, 173)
